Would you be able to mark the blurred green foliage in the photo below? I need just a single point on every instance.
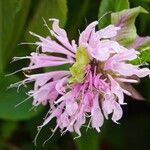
(18, 125)
(110, 6)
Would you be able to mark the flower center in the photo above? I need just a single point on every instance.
(78, 68)
(78, 71)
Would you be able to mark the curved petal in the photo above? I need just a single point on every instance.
(85, 35)
(108, 32)
(60, 34)
(96, 114)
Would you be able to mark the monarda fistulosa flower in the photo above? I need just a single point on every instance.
(100, 73)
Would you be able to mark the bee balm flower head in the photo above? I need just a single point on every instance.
(95, 84)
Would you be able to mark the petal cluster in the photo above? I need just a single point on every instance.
(105, 74)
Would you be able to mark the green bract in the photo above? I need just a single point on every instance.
(108, 6)
(77, 70)
(127, 35)
(144, 49)
(126, 19)
(143, 57)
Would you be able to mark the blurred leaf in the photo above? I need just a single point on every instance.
(88, 141)
(14, 14)
(9, 98)
(2, 145)
(143, 88)
(7, 129)
(55, 68)
(137, 128)
(77, 13)
(46, 9)
(143, 20)
(147, 1)
(126, 20)
(107, 6)
(110, 135)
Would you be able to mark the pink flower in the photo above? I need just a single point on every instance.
(95, 84)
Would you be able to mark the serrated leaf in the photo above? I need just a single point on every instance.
(13, 16)
(10, 98)
(126, 20)
(110, 6)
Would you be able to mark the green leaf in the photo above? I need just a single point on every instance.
(143, 20)
(55, 68)
(107, 6)
(126, 20)
(8, 128)
(77, 12)
(46, 9)
(143, 57)
(10, 98)
(13, 16)
(145, 1)
(143, 46)
(88, 141)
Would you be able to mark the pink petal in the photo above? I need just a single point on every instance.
(63, 120)
(117, 112)
(85, 35)
(79, 122)
(133, 92)
(126, 80)
(42, 78)
(71, 107)
(117, 90)
(108, 32)
(55, 112)
(60, 85)
(107, 104)
(64, 97)
(96, 114)
(60, 34)
(142, 72)
(42, 93)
